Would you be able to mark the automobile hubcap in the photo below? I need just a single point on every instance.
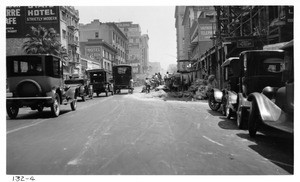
(12, 110)
(56, 107)
(227, 111)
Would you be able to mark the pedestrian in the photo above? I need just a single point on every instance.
(159, 78)
(147, 84)
(167, 80)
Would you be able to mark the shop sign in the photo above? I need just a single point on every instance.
(245, 43)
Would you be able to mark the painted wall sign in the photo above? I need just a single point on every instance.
(20, 19)
(93, 52)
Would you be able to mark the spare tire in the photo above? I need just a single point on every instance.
(28, 88)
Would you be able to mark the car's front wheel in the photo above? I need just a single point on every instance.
(241, 117)
(213, 104)
(254, 120)
(55, 107)
(12, 111)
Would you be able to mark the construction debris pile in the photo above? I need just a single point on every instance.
(197, 91)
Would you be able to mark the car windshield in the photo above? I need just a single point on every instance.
(24, 66)
(265, 63)
(97, 77)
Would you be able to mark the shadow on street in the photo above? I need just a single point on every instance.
(279, 149)
(37, 115)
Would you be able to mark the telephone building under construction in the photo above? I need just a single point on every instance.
(233, 30)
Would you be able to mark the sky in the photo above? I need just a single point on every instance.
(156, 21)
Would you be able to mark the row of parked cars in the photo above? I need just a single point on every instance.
(259, 89)
(36, 81)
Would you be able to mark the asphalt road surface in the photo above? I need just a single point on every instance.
(128, 134)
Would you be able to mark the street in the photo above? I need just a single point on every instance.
(128, 134)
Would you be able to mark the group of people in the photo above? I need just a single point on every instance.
(155, 81)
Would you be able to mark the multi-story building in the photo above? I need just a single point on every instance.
(154, 67)
(195, 26)
(70, 38)
(63, 19)
(137, 48)
(100, 51)
(179, 13)
(109, 33)
(240, 28)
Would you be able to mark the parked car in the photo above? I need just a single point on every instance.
(122, 78)
(259, 69)
(227, 96)
(83, 88)
(101, 81)
(253, 71)
(274, 106)
(36, 81)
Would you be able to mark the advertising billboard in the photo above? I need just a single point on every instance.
(20, 19)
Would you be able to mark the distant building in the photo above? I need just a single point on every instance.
(154, 67)
(100, 51)
(179, 13)
(137, 47)
(63, 19)
(109, 33)
(145, 52)
(172, 68)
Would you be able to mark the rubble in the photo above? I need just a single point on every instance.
(197, 91)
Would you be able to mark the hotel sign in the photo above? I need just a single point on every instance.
(20, 19)
(93, 52)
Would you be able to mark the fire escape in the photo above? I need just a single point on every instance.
(73, 43)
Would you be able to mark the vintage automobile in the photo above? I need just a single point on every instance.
(274, 106)
(36, 81)
(83, 88)
(228, 95)
(253, 71)
(122, 78)
(101, 81)
(257, 70)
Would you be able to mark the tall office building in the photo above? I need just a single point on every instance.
(137, 47)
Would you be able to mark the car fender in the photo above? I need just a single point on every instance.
(70, 93)
(242, 101)
(270, 113)
(218, 94)
(232, 97)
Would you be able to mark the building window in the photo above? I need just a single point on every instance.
(96, 34)
(64, 34)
